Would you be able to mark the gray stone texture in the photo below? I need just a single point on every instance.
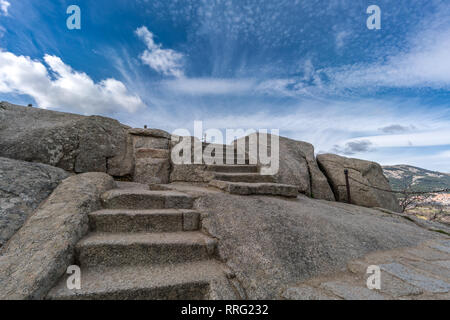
(273, 243)
(23, 186)
(72, 142)
(351, 292)
(415, 278)
(305, 292)
(40, 252)
(151, 156)
(367, 181)
(137, 199)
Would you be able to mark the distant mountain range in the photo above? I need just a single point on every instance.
(419, 179)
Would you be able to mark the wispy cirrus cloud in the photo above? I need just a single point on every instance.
(4, 5)
(210, 86)
(439, 137)
(165, 61)
(422, 66)
(421, 63)
(57, 85)
(341, 38)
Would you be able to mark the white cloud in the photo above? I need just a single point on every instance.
(165, 61)
(59, 86)
(432, 160)
(341, 38)
(4, 6)
(424, 64)
(419, 139)
(210, 86)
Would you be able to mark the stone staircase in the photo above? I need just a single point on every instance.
(230, 171)
(241, 178)
(147, 245)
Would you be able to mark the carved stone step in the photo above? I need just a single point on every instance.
(187, 281)
(244, 177)
(156, 220)
(233, 168)
(242, 188)
(145, 199)
(120, 249)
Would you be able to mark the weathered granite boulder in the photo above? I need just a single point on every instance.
(23, 186)
(273, 244)
(72, 142)
(368, 185)
(40, 252)
(297, 164)
(320, 188)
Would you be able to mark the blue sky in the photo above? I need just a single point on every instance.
(309, 68)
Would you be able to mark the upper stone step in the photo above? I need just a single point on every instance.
(145, 199)
(156, 220)
(244, 177)
(187, 281)
(243, 188)
(233, 168)
(225, 161)
(119, 249)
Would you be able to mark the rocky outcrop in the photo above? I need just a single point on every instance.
(368, 185)
(23, 186)
(40, 252)
(272, 244)
(297, 165)
(72, 142)
(320, 188)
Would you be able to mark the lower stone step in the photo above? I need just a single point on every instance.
(242, 188)
(187, 281)
(156, 220)
(233, 168)
(244, 177)
(119, 249)
(136, 199)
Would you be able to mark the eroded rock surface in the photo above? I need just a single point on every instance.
(368, 185)
(40, 252)
(23, 186)
(272, 243)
